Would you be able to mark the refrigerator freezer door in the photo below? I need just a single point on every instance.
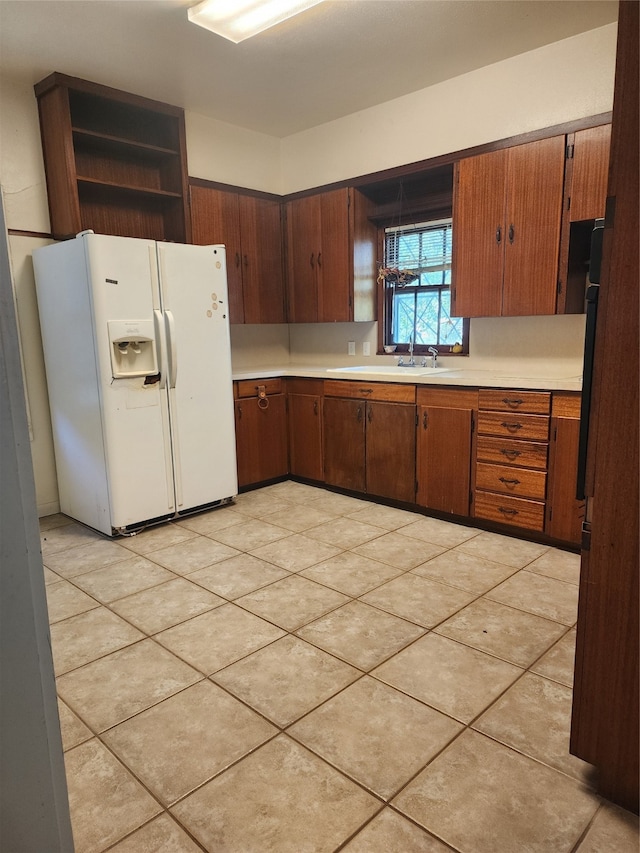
(194, 300)
(123, 274)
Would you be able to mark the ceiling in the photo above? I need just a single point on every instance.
(332, 60)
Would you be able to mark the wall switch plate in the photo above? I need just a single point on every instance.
(366, 348)
(351, 348)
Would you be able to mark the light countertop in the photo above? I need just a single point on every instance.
(449, 376)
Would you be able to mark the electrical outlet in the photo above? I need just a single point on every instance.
(366, 348)
(351, 348)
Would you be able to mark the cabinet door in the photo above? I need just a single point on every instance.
(590, 172)
(391, 450)
(444, 459)
(335, 261)
(565, 513)
(262, 270)
(533, 216)
(303, 247)
(216, 219)
(344, 447)
(478, 235)
(261, 440)
(305, 436)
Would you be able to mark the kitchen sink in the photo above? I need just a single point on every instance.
(391, 370)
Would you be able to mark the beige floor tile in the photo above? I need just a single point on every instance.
(465, 571)
(161, 835)
(218, 638)
(72, 728)
(177, 745)
(439, 532)
(452, 678)
(64, 600)
(388, 832)
(509, 634)
(534, 717)
(361, 635)
(482, 797)
(57, 519)
(121, 579)
(88, 636)
(276, 801)
(250, 534)
(259, 503)
(562, 565)
(195, 553)
(559, 662)
(387, 517)
(85, 558)
(237, 576)
(547, 597)
(350, 573)
(337, 504)
(298, 517)
(613, 830)
(418, 599)
(290, 490)
(286, 679)
(376, 735)
(65, 536)
(105, 801)
(207, 523)
(159, 536)
(295, 553)
(397, 550)
(163, 606)
(50, 577)
(292, 601)
(503, 549)
(111, 689)
(344, 532)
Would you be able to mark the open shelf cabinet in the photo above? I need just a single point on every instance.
(114, 162)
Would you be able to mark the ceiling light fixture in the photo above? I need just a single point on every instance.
(237, 20)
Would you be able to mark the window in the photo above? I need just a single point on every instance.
(420, 309)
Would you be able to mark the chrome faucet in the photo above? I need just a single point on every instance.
(412, 362)
(434, 353)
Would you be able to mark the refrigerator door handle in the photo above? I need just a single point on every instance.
(161, 347)
(170, 329)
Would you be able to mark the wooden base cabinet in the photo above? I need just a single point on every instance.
(305, 407)
(261, 430)
(565, 514)
(443, 448)
(369, 438)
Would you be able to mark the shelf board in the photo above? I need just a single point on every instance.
(125, 188)
(109, 141)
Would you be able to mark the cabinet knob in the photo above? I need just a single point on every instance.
(237, 259)
(498, 234)
(512, 233)
(369, 414)
(319, 259)
(359, 415)
(311, 260)
(315, 407)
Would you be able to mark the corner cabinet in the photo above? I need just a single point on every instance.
(114, 162)
(250, 228)
(331, 258)
(507, 211)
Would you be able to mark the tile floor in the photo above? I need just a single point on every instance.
(305, 671)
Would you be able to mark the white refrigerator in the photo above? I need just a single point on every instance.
(138, 361)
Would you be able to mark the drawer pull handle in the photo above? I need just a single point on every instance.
(508, 482)
(507, 510)
(512, 427)
(510, 454)
(263, 400)
(512, 401)
(366, 390)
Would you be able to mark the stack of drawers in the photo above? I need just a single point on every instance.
(511, 457)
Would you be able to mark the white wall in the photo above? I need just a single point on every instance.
(557, 83)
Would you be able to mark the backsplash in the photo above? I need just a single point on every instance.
(548, 346)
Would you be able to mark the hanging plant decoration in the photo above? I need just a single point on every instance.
(393, 275)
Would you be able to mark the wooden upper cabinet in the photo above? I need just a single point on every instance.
(114, 162)
(250, 228)
(331, 258)
(590, 172)
(506, 230)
